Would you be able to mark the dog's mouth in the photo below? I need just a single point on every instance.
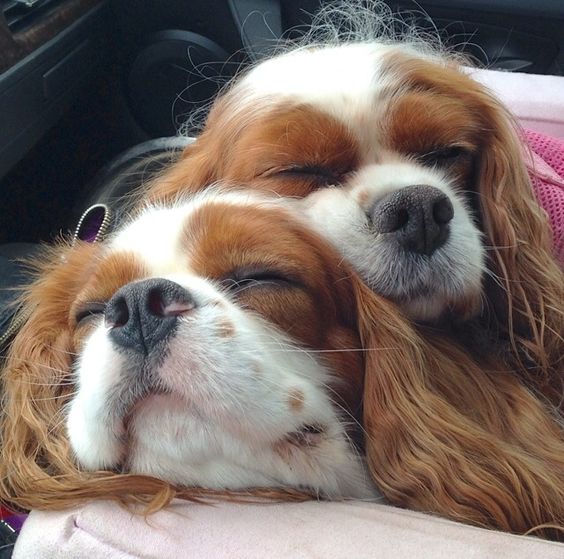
(307, 437)
(403, 276)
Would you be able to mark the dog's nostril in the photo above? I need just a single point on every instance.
(162, 301)
(402, 218)
(117, 313)
(155, 302)
(390, 218)
(443, 212)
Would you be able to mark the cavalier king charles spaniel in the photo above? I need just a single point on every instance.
(220, 348)
(415, 172)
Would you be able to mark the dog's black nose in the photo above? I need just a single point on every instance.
(143, 313)
(417, 217)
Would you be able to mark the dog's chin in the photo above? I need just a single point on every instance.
(425, 288)
(166, 438)
(147, 398)
(437, 307)
(425, 308)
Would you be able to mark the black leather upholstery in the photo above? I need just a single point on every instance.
(113, 186)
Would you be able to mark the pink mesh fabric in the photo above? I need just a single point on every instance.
(547, 175)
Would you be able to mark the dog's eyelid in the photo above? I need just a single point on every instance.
(444, 155)
(89, 309)
(446, 151)
(259, 276)
(308, 169)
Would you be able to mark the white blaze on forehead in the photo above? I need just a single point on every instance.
(345, 72)
(345, 82)
(155, 235)
(326, 74)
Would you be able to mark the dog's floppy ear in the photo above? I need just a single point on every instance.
(197, 168)
(37, 470)
(525, 285)
(36, 383)
(428, 446)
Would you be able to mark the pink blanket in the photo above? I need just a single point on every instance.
(547, 174)
(311, 530)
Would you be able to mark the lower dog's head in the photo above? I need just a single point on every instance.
(203, 330)
(211, 344)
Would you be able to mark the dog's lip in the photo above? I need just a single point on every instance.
(303, 440)
(414, 285)
(306, 436)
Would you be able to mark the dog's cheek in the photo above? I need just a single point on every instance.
(80, 335)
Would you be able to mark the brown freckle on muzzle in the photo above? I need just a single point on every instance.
(363, 197)
(296, 400)
(225, 328)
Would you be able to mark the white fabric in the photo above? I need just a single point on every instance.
(310, 530)
(537, 101)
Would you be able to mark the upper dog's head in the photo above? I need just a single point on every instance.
(412, 169)
(385, 149)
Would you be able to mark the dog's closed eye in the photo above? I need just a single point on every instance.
(443, 156)
(258, 278)
(323, 174)
(89, 310)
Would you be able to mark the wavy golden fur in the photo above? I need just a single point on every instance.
(442, 435)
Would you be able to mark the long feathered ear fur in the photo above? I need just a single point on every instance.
(525, 287)
(445, 437)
